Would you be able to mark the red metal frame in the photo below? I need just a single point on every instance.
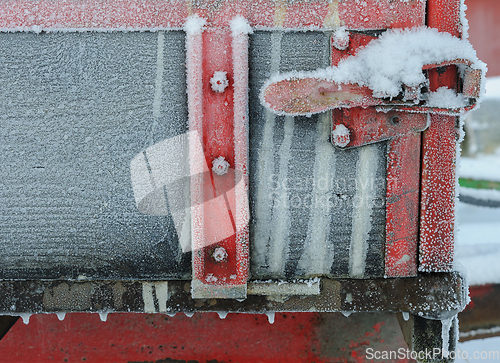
(439, 147)
(151, 14)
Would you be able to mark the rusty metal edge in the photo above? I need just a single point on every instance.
(427, 295)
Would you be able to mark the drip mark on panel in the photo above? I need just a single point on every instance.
(266, 166)
(281, 216)
(319, 251)
(362, 209)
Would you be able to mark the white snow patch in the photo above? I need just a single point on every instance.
(239, 25)
(446, 98)
(406, 315)
(189, 315)
(485, 167)
(346, 313)
(492, 87)
(478, 243)
(194, 25)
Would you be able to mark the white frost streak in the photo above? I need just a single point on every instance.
(317, 251)
(362, 208)
(147, 297)
(281, 217)
(266, 164)
(162, 296)
(159, 75)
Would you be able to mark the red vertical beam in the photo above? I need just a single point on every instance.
(402, 205)
(437, 222)
(220, 223)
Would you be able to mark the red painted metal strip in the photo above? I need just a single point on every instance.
(151, 14)
(218, 112)
(367, 126)
(437, 215)
(402, 205)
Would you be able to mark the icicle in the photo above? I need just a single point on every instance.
(61, 316)
(270, 317)
(445, 335)
(346, 313)
(103, 315)
(222, 314)
(26, 317)
(406, 315)
(189, 315)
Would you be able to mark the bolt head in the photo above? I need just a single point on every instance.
(219, 254)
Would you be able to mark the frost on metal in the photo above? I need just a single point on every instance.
(219, 81)
(394, 60)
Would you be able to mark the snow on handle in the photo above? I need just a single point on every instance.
(379, 70)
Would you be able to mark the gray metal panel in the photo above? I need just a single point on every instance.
(75, 109)
(316, 210)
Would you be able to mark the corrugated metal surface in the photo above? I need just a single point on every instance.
(307, 196)
(78, 107)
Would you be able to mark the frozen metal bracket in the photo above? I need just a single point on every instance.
(437, 292)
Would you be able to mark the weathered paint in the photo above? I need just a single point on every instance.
(149, 14)
(437, 213)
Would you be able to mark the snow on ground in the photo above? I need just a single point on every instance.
(479, 350)
(478, 243)
(486, 167)
(492, 87)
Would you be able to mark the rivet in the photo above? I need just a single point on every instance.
(340, 135)
(220, 166)
(219, 254)
(219, 81)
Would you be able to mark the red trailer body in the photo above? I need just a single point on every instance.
(417, 265)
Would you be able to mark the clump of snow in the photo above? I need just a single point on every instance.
(239, 25)
(395, 59)
(446, 98)
(406, 315)
(194, 25)
(340, 39)
(219, 81)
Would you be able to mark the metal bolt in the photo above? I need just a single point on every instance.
(219, 81)
(219, 254)
(340, 135)
(220, 166)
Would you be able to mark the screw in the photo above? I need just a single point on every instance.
(220, 166)
(219, 254)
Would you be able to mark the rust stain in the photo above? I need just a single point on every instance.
(76, 297)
